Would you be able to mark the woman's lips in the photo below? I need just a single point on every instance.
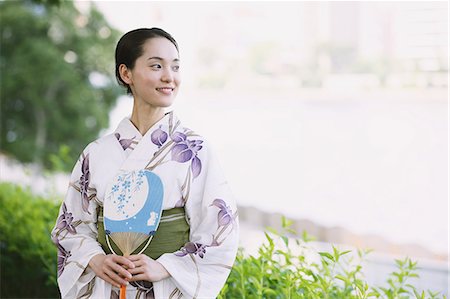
(165, 90)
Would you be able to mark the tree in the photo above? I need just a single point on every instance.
(57, 86)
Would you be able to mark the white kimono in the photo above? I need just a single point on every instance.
(192, 179)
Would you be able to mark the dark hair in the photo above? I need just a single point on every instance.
(129, 48)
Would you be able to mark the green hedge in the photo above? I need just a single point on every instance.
(291, 268)
(28, 256)
(281, 269)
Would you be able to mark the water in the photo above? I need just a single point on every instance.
(375, 165)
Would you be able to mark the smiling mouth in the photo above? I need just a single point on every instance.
(165, 89)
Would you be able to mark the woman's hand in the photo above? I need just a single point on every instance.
(147, 269)
(112, 268)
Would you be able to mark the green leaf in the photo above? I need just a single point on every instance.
(286, 223)
(327, 255)
(341, 277)
(269, 239)
(268, 291)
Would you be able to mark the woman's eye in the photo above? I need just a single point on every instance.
(176, 68)
(156, 66)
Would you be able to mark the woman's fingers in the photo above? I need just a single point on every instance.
(138, 263)
(118, 281)
(112, 268)
(138, 260)
(139, 277)
(136, 270)
(137, 257)
(147, 269)
(123, 261)
(120, 270)
(116, 263)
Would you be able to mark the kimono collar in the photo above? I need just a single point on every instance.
(127, 130)
(137, 146)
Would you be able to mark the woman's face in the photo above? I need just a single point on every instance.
(155, 78)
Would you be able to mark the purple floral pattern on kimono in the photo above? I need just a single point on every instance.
(225, 216)
(181, 148)
(125, 143)
(185, 150)
(192, 248)
(64, 221)
(84, 183)
(224, 219)
(63, 255)
(159, 137)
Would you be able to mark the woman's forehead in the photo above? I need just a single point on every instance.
(161, 48)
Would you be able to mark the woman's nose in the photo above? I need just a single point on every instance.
(167, 76)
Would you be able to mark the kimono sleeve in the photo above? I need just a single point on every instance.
(75, 233)
(200, 268)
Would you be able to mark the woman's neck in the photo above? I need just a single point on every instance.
(144, 116)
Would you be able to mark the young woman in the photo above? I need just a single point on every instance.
(196, 242)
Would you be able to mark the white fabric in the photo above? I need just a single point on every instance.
(191, 177)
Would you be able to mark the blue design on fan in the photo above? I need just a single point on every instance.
(147, 219)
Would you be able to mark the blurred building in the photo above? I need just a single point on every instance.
(301, 44)
(401, 44)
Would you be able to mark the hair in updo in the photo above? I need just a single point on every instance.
(130, 47)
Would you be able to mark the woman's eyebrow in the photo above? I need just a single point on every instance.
(162, 59)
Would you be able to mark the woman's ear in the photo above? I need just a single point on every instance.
(125, 74)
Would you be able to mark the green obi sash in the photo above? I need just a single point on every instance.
(171, 235)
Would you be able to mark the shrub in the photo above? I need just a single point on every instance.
(28, 256)
(283, 270)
